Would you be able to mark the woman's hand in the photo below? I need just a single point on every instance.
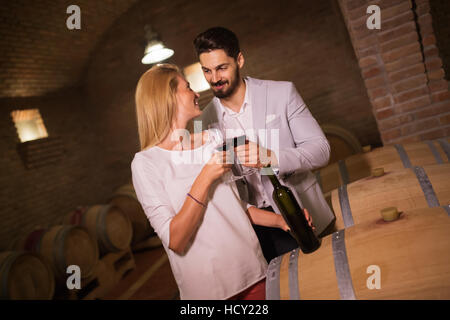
(219, 164)
(282, 224)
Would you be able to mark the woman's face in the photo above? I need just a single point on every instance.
(187, 100)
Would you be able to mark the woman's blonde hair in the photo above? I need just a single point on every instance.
(156, 103)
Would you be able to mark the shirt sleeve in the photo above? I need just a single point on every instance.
(152, 197)
(312, 149)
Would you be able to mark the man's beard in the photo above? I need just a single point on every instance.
(232, 88)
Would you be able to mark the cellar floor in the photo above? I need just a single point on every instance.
(151, 279)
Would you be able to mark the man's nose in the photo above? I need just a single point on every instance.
(214, 77)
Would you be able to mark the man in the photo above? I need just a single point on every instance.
(263, 109)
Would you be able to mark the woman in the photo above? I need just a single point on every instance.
(204, 226)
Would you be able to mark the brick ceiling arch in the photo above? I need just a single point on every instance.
(38, 53)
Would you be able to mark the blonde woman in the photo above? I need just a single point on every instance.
(204, 227)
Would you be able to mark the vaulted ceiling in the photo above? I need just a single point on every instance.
(38, 53)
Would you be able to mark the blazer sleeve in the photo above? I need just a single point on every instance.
(152, 197)
(312, 149)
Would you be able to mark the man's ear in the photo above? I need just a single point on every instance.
(240, 60)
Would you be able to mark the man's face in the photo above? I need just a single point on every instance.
(221, 71)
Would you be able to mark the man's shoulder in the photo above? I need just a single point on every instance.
(271, 84)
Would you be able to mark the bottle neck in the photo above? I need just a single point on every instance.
(273, 178)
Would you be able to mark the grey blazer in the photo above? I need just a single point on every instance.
(302, 145)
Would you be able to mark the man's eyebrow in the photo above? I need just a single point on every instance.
(217, 67)
(222, 65)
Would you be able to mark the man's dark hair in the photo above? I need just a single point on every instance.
(217, 38)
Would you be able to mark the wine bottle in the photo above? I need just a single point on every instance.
(293, 215)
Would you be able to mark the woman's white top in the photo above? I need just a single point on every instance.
(224, 256)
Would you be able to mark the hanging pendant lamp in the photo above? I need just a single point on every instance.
(155, 51)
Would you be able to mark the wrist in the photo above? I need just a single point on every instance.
(273, 160)
(270, 159)
(203, 179)
(280, 221)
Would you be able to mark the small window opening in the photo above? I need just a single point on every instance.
(29, 124)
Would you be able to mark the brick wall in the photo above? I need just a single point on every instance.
(401, 68)
(301, 41)
(38, 53)
(440, 12)
(41, 64)
(41, 196)
(296, 41)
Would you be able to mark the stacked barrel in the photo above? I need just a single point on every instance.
(96, 240)
(392, 230)
(25, 275)
(59, 247)
(126, 200)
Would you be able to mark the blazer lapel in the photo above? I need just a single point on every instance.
(258, 92)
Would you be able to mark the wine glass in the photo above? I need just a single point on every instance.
(228, 144)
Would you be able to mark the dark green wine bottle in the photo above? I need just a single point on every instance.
(293, 215)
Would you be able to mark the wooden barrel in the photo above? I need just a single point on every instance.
(417, 187)
(106, 223)
(62, 246)
(342, 142)
(390, 158)
(405, 259)
(24, 275)
(126, 200)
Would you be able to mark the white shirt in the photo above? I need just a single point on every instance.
(224, 257)
(242, 123)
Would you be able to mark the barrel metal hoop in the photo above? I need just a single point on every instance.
(34, 239)
(101, 228)
(403, 155)
(445, 146)
(37, 247)
(84, 216)
(273, 279)
(58, 250)
(342, 267)
(345, 206)
(343, 171)
(129, 193)
(435, 152)
(294, 290)
(427, 187)
(447, 208)
(6, 267)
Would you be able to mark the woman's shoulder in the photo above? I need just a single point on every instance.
(145, 157)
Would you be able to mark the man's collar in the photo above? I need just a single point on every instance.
(224, 110)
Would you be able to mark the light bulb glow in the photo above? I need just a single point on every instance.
(156, 52)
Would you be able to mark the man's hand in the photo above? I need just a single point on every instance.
(283, 225)
(254, 156)
(309, 219)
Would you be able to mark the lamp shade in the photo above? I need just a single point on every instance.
(156, 52)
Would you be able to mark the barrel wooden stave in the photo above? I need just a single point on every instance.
(25, 275)
(360, 166)
(107, 224)
(125, 198)
(413, 254)
(343, 143)
(399, 189)
(64, 245)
